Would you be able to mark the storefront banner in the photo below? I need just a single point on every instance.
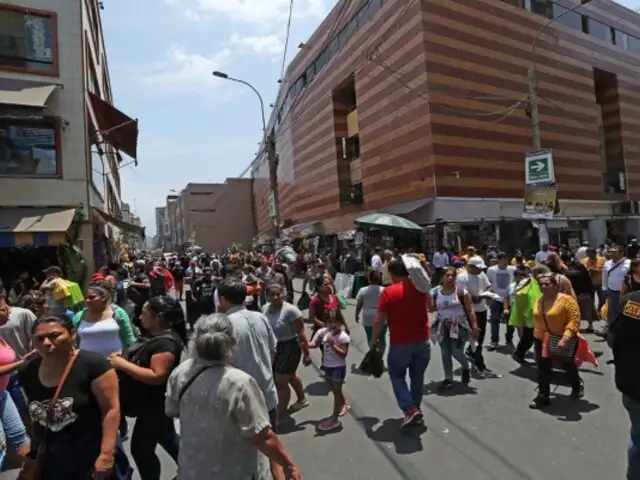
(344, 284)
(539, 203)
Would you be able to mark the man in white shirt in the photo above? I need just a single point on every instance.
(439, 262)
(376, 260)
(613, 274)
(500, 276)
(542, 256)
(475, 281)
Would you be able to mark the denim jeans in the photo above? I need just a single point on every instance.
(451, 348)
(412, 358)
(633, 466)
(11, 426)
(16, 394)
(497, 310)
(153, 428)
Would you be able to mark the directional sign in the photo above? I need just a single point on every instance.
(538, 168)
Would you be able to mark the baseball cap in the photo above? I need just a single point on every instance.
(477, 262)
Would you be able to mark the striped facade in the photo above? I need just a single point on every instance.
(435, 82)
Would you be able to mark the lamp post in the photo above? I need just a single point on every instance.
(269, 144)
(533, 78)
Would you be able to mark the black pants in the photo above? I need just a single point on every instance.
(153, 428)
(525, 343)
(544, 372)
(478, 358)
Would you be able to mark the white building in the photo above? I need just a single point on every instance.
(60, 136)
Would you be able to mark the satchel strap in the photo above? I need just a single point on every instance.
(61, 383)
(189, 382)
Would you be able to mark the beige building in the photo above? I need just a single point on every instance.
(212, 215)
(60, 137)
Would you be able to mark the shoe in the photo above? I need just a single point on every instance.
(412, 417)
(540, 402)
(492, 347)
(445, 385)
(509, 344)
(578, 393)
(466, 377)
(518, 358)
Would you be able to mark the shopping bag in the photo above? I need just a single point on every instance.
(304, 301)
(342, 301)
(418, 275)
(372, 363)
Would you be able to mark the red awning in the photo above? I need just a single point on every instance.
(116, 128)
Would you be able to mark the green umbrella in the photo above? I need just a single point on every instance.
(386, 220)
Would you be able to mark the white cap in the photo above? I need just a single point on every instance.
(477, 262)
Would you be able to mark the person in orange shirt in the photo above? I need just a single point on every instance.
(556, 317)
(594, 264)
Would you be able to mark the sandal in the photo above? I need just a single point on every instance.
(329, 425)
(299, 405)
(345, 410)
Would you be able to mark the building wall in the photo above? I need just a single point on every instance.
(467, 56)
(423, 72)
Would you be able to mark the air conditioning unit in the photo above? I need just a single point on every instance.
(628, 207)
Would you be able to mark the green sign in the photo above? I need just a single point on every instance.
(539, 168)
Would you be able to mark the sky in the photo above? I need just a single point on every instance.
(195, 127)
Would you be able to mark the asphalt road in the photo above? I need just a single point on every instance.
(485, 432)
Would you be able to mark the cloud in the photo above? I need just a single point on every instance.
(188, 70)
(266, 44)
(253, 11)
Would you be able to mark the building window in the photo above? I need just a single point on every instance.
(541, 7)
(28, 41)
(599, 30)
(568, 19)
(28, 148)
(633, 43)
(98, 171)
(620, 39)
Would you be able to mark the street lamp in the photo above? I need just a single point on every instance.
(533, 78)
(269, 147)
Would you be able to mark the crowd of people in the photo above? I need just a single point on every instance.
(228, 366)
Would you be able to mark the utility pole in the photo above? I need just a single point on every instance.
(532, 79)
(272, 158)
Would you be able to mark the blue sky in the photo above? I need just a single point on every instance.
(193, 126)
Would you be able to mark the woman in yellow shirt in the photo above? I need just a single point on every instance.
(556, 314)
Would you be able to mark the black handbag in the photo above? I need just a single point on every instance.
(304, 301)
(563, 354)
(372, 363)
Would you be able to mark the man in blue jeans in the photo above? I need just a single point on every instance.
(404, 309)
(624, 339)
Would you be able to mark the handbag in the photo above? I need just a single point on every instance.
(33, 469)
(304, 301)
(550, 348)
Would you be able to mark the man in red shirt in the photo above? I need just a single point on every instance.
(404, 309)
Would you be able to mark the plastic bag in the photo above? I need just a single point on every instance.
(372, 363)
(342, 301)
(418, 275)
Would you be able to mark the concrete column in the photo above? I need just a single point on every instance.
(597, 231)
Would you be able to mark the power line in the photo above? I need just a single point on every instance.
(286, 40)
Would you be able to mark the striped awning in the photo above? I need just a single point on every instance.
(38, 227)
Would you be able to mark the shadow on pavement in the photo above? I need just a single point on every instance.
(317, 389)
(405, 440)
(567, 409)
(458, 389)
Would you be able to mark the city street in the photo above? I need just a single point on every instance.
(485, 432)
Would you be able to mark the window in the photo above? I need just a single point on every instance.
(620, 38)
(599, 30)
(28, 148)
(351, 148)
(98, 171)
(633, 43)
(28, 41)
(568, 19)
(541, 7)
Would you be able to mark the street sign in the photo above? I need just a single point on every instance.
(271, 204)
(538, 168)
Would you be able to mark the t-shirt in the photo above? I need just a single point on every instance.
(153, 395)
(75, 431)
(475, 285)
(282, 321)
(500, 279)
(542, 256)
(139, 295)
(325, 309)
(7, 356)
(331, 358)
(178, 272)
(102, 337)
(370, 296)
(16, 331)
(407, 314)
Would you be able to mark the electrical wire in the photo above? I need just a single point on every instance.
(286, 40)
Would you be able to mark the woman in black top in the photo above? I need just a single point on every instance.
(632, 281)
(77, 436)
(145, 369)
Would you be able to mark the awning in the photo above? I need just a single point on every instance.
(25, 94)
(116, 128)
(121, 224)
(304, 230)
(34, 226)
(406, 208)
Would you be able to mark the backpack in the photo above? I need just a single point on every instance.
(134, 399)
